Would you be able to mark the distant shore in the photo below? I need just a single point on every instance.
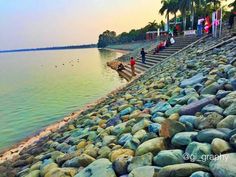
(51, 48)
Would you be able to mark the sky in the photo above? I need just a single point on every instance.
(44, 23)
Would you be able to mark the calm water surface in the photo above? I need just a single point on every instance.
(39, 88)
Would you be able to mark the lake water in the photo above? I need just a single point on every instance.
(40, 88)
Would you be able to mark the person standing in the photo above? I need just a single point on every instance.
(143, 54)
(132, 64)
(200, 27)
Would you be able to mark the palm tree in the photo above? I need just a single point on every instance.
(166, 8)
(184, 6)
(233, 4)
(216, 3)
(169, 6)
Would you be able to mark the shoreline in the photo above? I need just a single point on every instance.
(14, 150)
(119, 50)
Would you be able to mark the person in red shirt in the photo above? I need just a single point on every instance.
(132, 64)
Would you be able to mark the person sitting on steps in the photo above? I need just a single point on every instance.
(120, 67)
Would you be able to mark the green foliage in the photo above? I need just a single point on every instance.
(110, 37)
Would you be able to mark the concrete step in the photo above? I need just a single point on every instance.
(125, 75)
(144, 65)
(147, 63)
(128, 68)
(141, 68)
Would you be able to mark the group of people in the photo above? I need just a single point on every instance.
(165, 43)
(204, 25)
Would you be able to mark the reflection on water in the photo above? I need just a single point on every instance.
(39, 88)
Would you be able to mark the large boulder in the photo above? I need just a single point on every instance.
(212, 108)
(81, 161)
(208, 135)
(146, 171)
(100, 167)
(181, 170)
(154, 146)
(197, 106)
(119, 153)
(120, 165)
(227, 122)
(209, 121)
(211, 89)
(201, 174)
(62, 172)
(161, 107)
(198, 152)
(193, 80)
(228, 100)
(168, 157)
(170, 127)
(224, 165)
(140, 161)
(231, 110)
(220, 146)
(183, 138)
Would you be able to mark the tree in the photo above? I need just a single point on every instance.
(166, 8)
(184, 6)
(233, 5)
(106, 38)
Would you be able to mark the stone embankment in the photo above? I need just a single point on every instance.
(177, 120)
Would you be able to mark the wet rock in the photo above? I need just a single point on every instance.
(140, 161)
(227, 122)
(169, 128)
(224, 165)
(220, 146)
(154, 146)
(168, 157)
(181, 170)
(100, 167)
(208, 135)
(197, 106)
(198, 152)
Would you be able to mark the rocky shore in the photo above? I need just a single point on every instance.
(177, 120)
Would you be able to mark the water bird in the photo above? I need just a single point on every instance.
(55, 66)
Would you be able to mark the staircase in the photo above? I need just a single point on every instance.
(152, 60)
